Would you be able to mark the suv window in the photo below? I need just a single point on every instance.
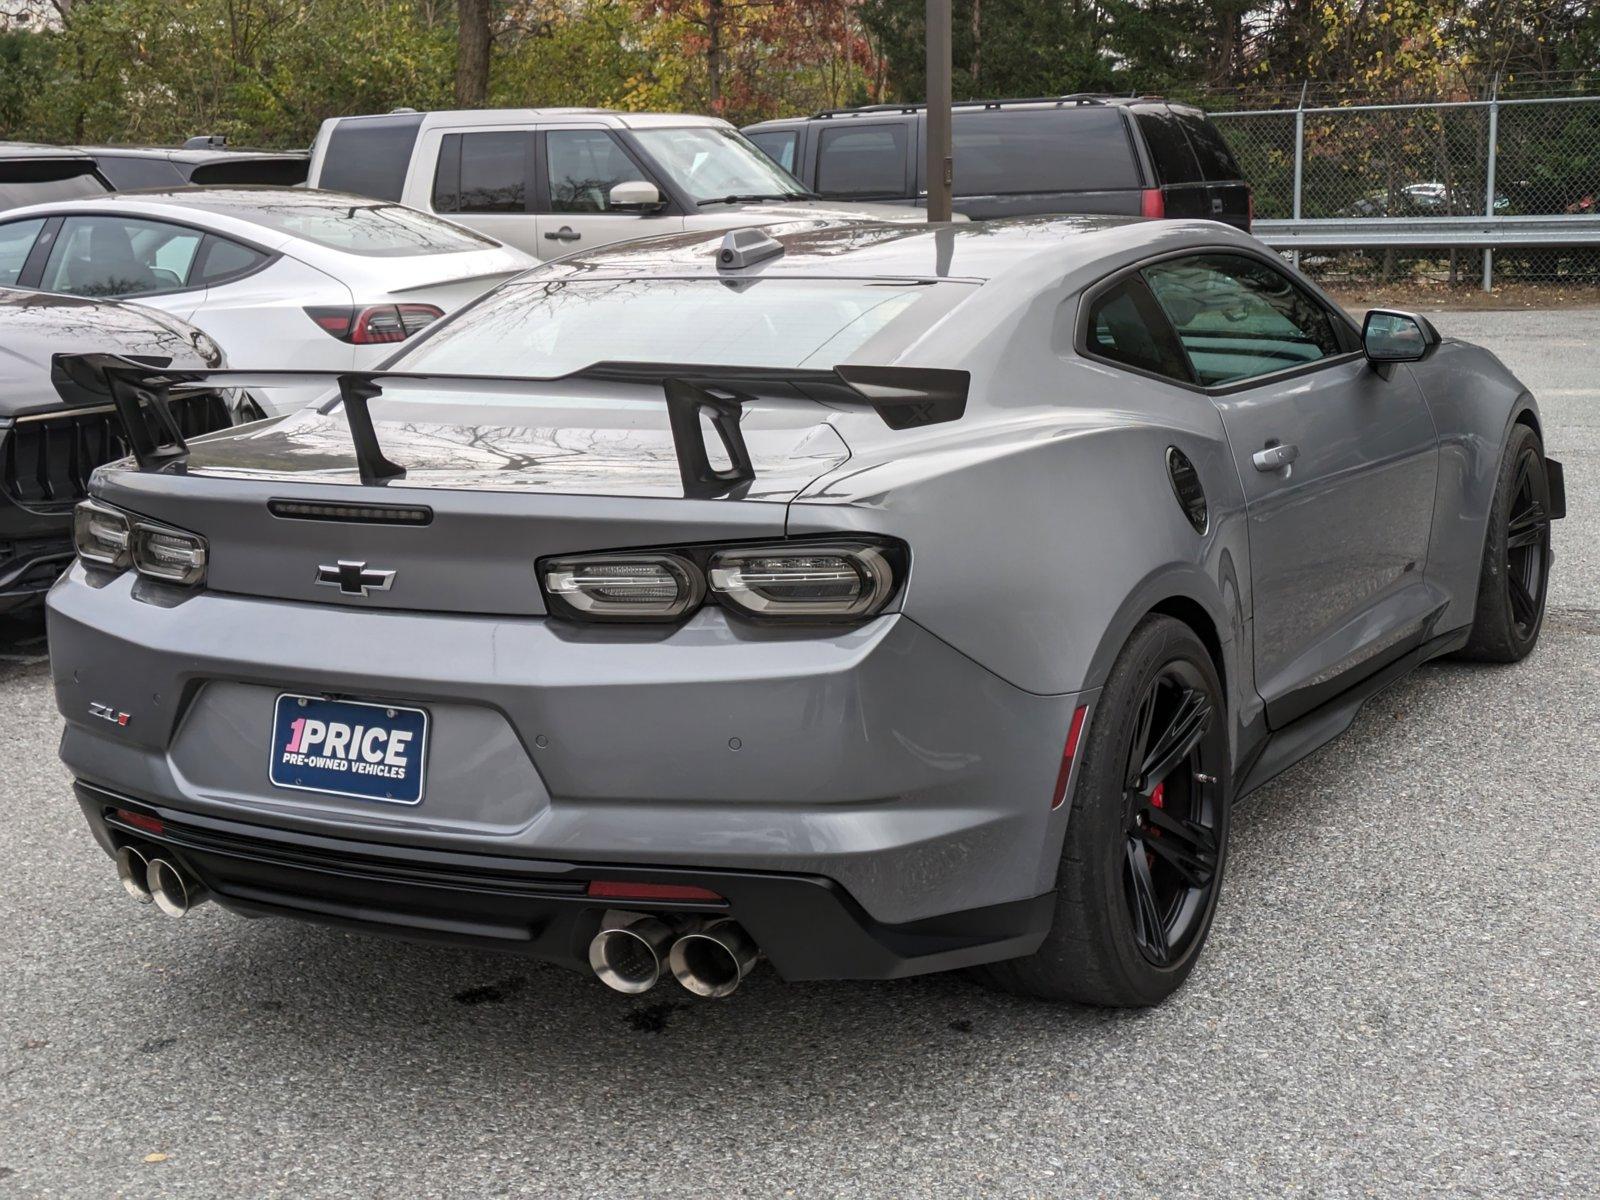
(1239, 318)
(128, 172)
(484, 172)
(41, 181)
(16, 239)
(583, 165)
(864, 161)
(370, 155)
(119, 256)
(1169, 148)
(1216, 160)
(778, 145)
(1041, 150)
(1127, 326)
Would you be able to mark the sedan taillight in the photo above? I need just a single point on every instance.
(374, 324)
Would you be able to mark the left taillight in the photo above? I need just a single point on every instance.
(109, 538)
(374, 324)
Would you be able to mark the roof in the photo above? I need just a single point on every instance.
(1074, 100)
(976, 250)
(462, 118)
(180, 154)
(14, 150)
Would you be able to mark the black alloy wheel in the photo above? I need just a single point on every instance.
(1527, 554)
(1515, 573)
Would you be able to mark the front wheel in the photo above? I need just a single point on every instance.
(1146, 835)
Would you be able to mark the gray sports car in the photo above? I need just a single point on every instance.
(875, 599)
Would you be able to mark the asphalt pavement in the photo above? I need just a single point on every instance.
(1399, 996)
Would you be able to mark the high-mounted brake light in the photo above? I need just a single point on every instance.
(375, 324)
(1152, 203)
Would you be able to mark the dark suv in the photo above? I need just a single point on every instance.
(1100, 154)
(32, 174)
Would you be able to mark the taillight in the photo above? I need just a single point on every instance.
(1152, 203)
(376, 324)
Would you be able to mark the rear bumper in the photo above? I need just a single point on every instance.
(875, 768)
(809, 927)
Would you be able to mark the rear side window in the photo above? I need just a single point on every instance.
(1216, 160)
(16, 239)
(862, 161)
(778, 145)
(486, 172)
(1127, 326)
(1169, 148)
(32, 181)
(221, 260)
(119, 256)
(370, 155)
(1042, 150)
(1238, 317)
(277, 172)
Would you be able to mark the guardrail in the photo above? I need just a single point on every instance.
(1485, 233)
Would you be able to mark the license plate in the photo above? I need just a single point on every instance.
(344, 748)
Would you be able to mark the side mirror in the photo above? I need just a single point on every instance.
(634, 196)
(1396, 337)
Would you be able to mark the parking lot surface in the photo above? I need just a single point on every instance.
(1399, 996)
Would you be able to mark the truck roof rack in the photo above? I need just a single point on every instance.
(1074, 99)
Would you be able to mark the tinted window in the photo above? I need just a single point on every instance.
(371, 230)
(1127, 326)
(369, 155)
(119, 256)
(128, 173)
(584, 165)
(278, 172)
(1174, 160)
(778, 145)
(223, 260)
(547, 328)
(16, 239)
(1216, 160)
(1238, 317)
(484, 172)
(24, 181)
(1041, 150)
(862, 161)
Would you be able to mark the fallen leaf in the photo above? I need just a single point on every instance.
(156, 1157)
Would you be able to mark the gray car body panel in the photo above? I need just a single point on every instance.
(910, 759)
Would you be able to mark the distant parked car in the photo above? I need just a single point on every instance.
(1093, 154)
(1430, 199)
(275, 275)
(32, 174)
(205, 161)
(47, 447)
(552, 181)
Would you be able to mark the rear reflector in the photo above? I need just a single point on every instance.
(140, 821)
(1069, 752)
(355, 514)
(1152, 203)
(623, 889)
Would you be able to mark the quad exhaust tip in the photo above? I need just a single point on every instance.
(132, 870)
(630, 958)
(712, 961)
(174, 891)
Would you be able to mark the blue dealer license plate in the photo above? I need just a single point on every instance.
(341, 748)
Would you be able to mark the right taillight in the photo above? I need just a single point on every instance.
(374, 324)
(1152, 203)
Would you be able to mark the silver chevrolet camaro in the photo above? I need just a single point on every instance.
(870, 598)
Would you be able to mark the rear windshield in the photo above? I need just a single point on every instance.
(547, 328)
(356, 227)
(25, 181)
(370, 155)
(1041, 150)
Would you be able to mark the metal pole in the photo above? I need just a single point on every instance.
(1488, 201)
(1299, 157)
(939, 170)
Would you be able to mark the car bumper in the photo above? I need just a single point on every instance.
(849, 792)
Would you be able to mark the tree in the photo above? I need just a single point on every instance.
(473, 39)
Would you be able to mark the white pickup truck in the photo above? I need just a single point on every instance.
(551, 181)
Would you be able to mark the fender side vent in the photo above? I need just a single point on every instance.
(352, 514)
(1186, 487)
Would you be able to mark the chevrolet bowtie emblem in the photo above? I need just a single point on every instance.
(353, 578)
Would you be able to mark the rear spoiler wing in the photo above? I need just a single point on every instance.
(905, 397)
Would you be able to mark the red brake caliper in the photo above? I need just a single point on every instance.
(1158, 799)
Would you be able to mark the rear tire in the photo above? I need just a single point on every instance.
(1515, 575)
(1147, 833)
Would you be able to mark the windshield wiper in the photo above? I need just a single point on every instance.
(754, 199)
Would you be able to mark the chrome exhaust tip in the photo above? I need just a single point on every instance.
(132, 868)
(713, 961)
(630, 958)
(174, 892)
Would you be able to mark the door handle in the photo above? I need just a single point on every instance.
(565, 234)
(1275, 457)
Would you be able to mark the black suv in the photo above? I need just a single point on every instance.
(32, 174)
(1140, 156)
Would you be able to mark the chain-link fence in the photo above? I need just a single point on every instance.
(1503, 158)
